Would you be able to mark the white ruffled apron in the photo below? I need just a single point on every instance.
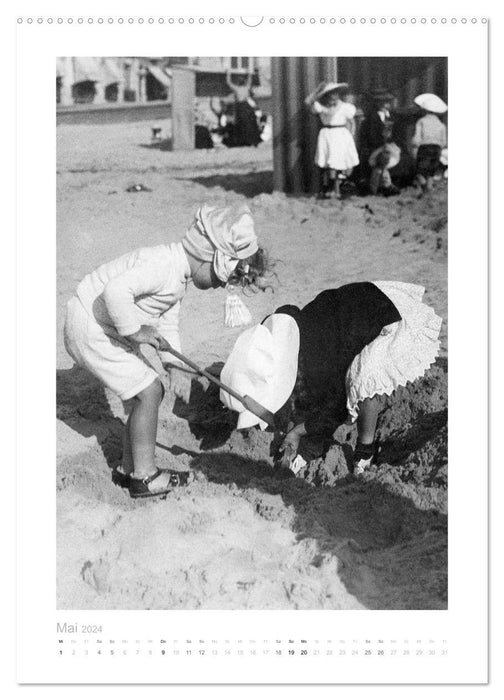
(401, 353)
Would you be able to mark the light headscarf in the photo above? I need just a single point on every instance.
(223, 236)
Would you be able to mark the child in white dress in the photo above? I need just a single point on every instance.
(429, 140)
(135, 300)
(336, 152)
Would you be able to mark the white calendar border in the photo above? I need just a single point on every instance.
(34, 180)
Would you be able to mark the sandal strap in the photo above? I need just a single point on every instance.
(174, 479)
(152, 477)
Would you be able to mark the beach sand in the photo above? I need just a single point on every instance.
(242, 535)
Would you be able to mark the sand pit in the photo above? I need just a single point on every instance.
(243, 535)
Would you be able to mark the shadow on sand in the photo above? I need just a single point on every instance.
(368, 527)
(82, 404)
(248, 184)
(163, 145)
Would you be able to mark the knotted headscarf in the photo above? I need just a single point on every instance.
(223, 236)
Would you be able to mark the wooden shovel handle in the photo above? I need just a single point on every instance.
(166, 347)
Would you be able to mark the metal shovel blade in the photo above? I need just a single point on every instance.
(258, 410)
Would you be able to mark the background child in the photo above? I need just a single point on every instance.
(336, 151)
(136, 299)
(382, 161)
(429, 139)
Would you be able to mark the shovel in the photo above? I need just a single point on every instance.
(250, 404)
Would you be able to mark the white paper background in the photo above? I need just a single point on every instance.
(464, 623)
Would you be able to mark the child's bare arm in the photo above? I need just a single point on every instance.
(293, 438)
(417, 139)
(229, 80)
(312, 97)
(351, 126)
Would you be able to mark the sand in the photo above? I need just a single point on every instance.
(244, 535)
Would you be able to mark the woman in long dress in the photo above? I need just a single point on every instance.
(245, 130)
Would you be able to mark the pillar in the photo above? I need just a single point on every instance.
(99, 96)
(183, 93)
(67, 80)
(295, 129)
(142, 87)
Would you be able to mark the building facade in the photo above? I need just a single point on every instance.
(98, 81)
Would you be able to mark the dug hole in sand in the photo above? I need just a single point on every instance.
(242, 535)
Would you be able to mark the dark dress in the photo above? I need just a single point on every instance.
(202, 137)
(427, 162)
(333, 329)
(373, 133)
(245, 130)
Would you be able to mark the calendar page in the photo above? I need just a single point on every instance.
(242, 238)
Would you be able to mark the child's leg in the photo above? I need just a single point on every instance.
(374, 181)
(146, 478)
(127, 457)
(333, 185)
(142, 429)
(324, 182)
(366, 425)
(386, 180)
(367, 419)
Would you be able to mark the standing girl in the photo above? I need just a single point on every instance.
(429, 139)
(136, 299)
(336, 152)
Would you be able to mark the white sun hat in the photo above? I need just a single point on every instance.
(391, 149)
(431, 102)
(263, 365)
(330, 87)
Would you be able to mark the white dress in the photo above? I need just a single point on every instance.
(401, 353)
(335, 145)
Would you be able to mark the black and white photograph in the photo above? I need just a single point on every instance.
(252, 324)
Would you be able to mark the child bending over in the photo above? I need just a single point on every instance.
(136, 299)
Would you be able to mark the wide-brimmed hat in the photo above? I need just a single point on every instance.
(330, 87)
(263, 365)
(391, 150)
(431, 103)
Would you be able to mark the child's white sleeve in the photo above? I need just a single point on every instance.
(417, 137)
(120, 292)
(351, 110)
(168, 326)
